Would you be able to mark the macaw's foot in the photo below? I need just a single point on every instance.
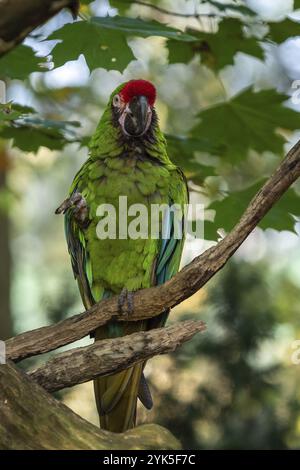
(125, 302)
(77, 203)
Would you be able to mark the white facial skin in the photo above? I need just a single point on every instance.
(124, 111)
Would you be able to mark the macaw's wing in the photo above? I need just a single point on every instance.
(77, 246)
(79, 257)
(168, 260)
(172, 237)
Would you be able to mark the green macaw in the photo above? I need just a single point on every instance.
(128, 157)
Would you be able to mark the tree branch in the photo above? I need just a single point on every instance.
(113, 355)
(31, 419)
(152, 301)
(172, 13)
(19, 17)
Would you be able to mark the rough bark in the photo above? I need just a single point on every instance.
(110, 356)
(31, 419)
(150, 302)
(19, 17)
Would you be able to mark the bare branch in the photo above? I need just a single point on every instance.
(152, 301)
(113, 355)
(19, 17)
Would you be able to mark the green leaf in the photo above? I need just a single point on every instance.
(231, 7)
(103, 43)
(32, 133)
(248, 121)
(51, 124)
(182, 152)
(296, 4)
(13, 111)
(139, 27)
(101, 47)
(182, 52)
(230, 209)
(85, 140)
(19, 63)
(217, 49)
(121, 5)
(279, 32)
(31, 139)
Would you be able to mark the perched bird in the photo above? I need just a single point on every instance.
(128, 157)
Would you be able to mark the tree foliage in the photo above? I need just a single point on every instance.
(249, 121)
(233, 400)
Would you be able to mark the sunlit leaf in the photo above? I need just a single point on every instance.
(13, 111)
(248, 121)
(225, 7)
(216, 49)
(139, 27)
(230, 209)
(31, 139)
(100, 47)
(19, 63)
(31, 133)
(102, 40)
(121, 5)
(283, 30)
(182, 153)
(50, 123)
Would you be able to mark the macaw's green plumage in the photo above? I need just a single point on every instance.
(128, 157)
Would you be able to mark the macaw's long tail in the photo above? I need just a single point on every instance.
(116, 395)
(116, 398)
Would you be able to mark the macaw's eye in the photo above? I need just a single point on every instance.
(116, 101)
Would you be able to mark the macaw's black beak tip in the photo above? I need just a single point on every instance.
(137, 118)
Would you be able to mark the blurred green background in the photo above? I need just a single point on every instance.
(235, 386)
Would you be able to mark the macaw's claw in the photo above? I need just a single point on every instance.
(125, 302)
(78, 204)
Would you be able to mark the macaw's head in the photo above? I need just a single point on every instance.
(132, 105)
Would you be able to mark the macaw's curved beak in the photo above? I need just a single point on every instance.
(136, 117)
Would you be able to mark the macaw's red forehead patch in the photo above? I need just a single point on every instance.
(138, 88)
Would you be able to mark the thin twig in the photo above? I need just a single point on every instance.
(173, 13)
